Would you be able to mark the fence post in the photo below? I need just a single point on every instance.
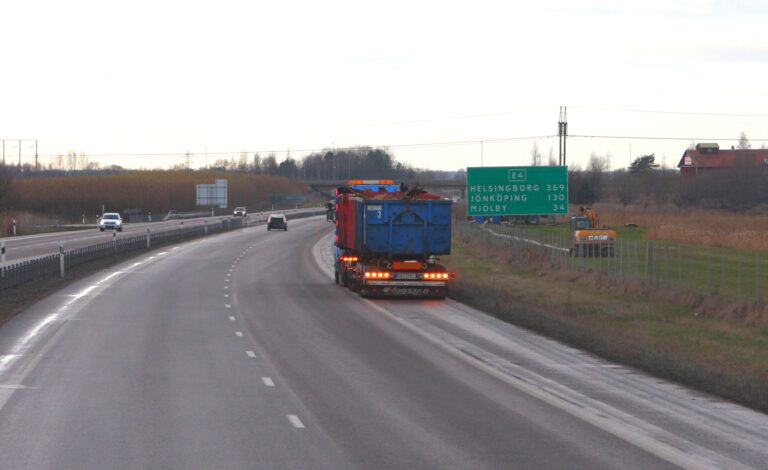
(206, 226)
(149, 238)
(757, 277)
(621, 259)
(61, 259)
(2, 259)
(83, 219)
(13, 221)
(722, 271)
(114, 241)
(647, 259)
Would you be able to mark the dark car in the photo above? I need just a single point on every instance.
(277, 221)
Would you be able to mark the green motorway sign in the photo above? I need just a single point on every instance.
(517, 190)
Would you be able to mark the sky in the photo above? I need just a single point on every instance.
(445, 85)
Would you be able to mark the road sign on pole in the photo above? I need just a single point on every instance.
(518, 190)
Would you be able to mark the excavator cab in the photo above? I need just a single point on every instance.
(579, 222)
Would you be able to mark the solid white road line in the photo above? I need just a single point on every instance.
(295, 421)
(268, 382)
(250, 353)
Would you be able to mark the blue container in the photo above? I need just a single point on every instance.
(403, 227)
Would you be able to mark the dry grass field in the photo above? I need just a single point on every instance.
(155, 191)
(692, 226)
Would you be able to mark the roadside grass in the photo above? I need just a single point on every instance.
(623, 323)
(736, 273)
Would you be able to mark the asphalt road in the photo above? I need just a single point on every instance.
(238, 351)
(41, 244)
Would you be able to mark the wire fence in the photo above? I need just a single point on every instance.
(734, 274)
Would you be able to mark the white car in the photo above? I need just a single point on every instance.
(239, 212)
(111, 221)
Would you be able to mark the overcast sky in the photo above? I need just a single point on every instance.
(156, 77)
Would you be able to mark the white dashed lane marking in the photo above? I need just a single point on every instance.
(238, 333)
(250, 353)
(227, 305)
(231, 318)
(268, 382)
(295, 421)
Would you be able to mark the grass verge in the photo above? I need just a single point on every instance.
(724, 356)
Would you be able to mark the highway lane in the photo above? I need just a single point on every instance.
(31, 246)
(237, 351)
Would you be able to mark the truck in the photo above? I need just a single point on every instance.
(388, 240)
(588, 238)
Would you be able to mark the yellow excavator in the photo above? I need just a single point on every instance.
(588, 238)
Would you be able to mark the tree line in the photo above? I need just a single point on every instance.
(347, 163)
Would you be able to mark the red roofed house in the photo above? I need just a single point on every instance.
(709, 157)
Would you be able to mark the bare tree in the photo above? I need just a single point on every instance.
(551, 157)
(242, 163)
(72, 160)
(536, 156)
(743, 142)
(58, 162)
(626, 189)
(82, 161)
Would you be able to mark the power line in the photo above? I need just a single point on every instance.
(311, 150)
(636, 137)
(684, 113)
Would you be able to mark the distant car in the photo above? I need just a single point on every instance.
(277, 221)
(239, 212)
(111, 221)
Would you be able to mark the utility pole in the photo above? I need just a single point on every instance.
(3, 152)
(37, 168)
(19, 154)
(562, 134)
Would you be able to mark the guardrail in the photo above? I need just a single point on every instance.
(18, 273)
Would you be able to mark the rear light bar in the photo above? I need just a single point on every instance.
(349, 259)
(377, 275)
(438, 276)
(383, 182)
